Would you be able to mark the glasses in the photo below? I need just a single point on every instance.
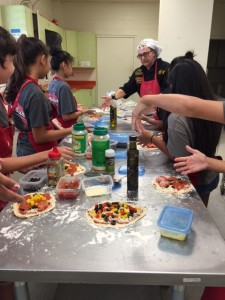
(145, 54)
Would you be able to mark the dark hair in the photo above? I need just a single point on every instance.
(8, 45)
(29, 49)
(176, 60)
(59, 56)
(188, 77)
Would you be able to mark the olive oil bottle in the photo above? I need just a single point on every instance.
(132, 165)
(113, 114)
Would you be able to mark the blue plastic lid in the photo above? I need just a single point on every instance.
(119, 137)
(176, 219)
(123, 170)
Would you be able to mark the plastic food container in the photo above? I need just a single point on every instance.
(68, 187)
(33, 180)
(97, 185)
(175, 222)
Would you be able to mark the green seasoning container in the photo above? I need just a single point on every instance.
(79, 139)
(100, 143)
(55, 167)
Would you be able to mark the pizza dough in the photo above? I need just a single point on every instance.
(72, 168)
(115, 214)
(149, 146)
(36, 204)
(172, 185)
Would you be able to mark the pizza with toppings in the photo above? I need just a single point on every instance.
(172, 185)
(115, 214)
(149, 146)
(35, 204)
(71, 168)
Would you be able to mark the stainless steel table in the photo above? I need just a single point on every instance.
(61, 247)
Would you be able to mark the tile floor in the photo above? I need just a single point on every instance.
(50, 291)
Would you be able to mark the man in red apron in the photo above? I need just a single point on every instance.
(149, 79)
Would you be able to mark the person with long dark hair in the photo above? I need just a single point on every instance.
(188, 77)
(31, 110)
(60, 95)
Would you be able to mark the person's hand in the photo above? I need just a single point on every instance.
(191, 164)
(137, 113)
(10, 195)
(106, 103)
(145, 137)
(67, 152)
(157, 124)
(89, 111)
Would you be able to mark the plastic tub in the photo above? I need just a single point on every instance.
(68, 187)
(97, 185)
(33, 180)
(175, 222)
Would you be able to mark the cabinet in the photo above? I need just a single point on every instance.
(17, 19)
(71, 44)
(82, 46)
(45, 24)
(86, 97)
(86, 49)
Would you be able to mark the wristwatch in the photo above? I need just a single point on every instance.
(113, 97)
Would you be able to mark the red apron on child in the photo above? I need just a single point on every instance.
(64, 124)
(37, 147)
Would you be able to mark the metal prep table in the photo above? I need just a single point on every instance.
(62, 247)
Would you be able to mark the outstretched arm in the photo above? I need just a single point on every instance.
(183, 105)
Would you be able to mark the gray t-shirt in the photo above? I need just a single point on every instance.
(61, 97)
(180, 134)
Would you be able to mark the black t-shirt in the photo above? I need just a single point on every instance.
(132, 86)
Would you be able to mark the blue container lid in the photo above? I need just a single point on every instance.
(119, 137)
(176, 219)
(123, 170)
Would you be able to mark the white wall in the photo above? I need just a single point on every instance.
(186, 26)
(112, 19)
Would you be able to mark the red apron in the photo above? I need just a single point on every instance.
(150, 87)
(68, 123)
(37, 147)
(6, 137)
(6, 142)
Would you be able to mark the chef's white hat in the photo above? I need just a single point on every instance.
(151, 44)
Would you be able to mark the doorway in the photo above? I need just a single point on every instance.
(115, 63)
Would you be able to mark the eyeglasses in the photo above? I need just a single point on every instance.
(145, 54)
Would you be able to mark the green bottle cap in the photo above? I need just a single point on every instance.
(78, 126)
(100, 131)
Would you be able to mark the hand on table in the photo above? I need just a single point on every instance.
(191, 164)
(106, 103)
(67, 152)
(145, 137)
(9, 189)
(89, 111)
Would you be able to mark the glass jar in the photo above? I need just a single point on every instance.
(55, 166)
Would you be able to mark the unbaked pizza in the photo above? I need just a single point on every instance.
(171, 185)
(115, 214)
(71, 168)
(149, 146)
(35, 204)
